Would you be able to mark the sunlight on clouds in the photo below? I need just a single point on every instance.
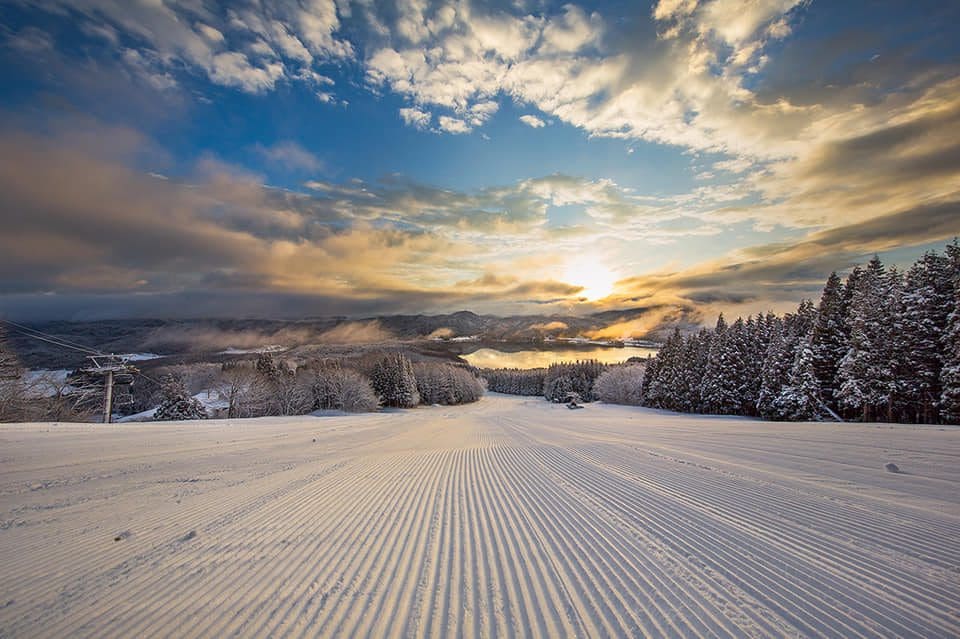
(592, 275)
(785, 178)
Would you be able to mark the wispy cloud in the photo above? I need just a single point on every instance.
(532, 121)
(250, 48)
(415, 117)
(290, 155)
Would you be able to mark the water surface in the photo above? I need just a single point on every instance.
(493, 358)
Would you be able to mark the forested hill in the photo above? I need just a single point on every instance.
(211, 335)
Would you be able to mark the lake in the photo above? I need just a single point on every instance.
(492, 358)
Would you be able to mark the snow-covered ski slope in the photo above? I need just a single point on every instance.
(510, 517)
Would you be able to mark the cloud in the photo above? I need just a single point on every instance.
(205, 338)
(779, 274)
(415, 117)
(686, 89)
(649, 322)
(453, 125)
(532, 121)
(30, 41)
(356, 333)
(251, 48)
(224, 241)
(291, 156)
(572, 31)
(550, 326)
(810, 138)
(672, 9)
(107, 227)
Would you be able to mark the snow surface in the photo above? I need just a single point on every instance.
(508, 517)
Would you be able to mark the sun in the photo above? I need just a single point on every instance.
(596, 279)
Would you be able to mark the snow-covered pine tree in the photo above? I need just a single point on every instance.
(756, 340)
(927, 301)
(664, 388)
(850, 286)
(650, 385)
(865, 374)
(176, 403)
(726, 393)
(394, 381)
(800, 398)
(829, 339)
(777, 364)
(267, 367)
(690, 377)
(895, 349)
(950, 374)
(800, 324)
(711, 391)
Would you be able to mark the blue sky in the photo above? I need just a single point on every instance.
(309, 157)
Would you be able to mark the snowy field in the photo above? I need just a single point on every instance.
(510, 517)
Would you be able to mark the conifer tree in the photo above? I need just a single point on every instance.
(650, 383)
(950, 374)
(176, 403)
(690, 377)
(394, 381)
(850, 286)
(658, 390)
(800, 398)
(828, 339)
(776, 370)
(894, 350)
(757, 339)
(927, 301)
(865, 372)
(733, 370)
(711, 393)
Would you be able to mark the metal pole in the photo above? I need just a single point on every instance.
(108, 398)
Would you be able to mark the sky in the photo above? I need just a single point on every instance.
(294, 158)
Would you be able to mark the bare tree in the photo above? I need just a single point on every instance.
(12, 392)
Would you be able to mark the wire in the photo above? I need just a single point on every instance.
(61, 344)
(53, 339)
(147, 377)
(65, 343)
(63, 340)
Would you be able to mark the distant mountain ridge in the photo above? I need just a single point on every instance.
(205, 335)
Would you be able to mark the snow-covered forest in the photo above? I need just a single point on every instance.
(881, 345)
(260, 387)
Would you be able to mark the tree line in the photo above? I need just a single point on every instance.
(881, 345)
(585, 381)
(273, 386)
(265, 386)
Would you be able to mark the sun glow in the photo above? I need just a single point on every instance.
(596, 279)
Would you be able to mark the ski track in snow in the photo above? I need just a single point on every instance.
(510, 517)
